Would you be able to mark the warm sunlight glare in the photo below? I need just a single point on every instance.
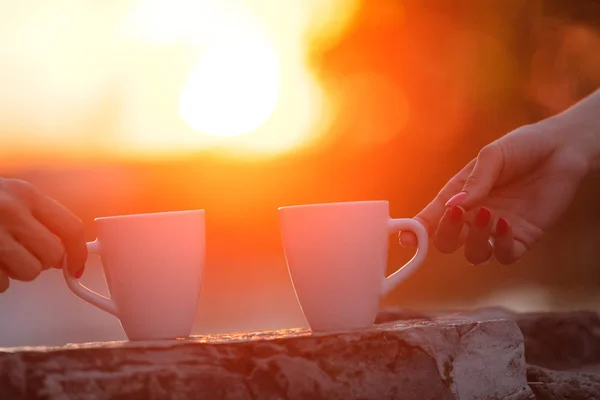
(233, 89)
(249, 87)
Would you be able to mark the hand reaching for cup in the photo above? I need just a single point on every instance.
(36, 232)
(516, 188)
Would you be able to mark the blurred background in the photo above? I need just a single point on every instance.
(241, 106)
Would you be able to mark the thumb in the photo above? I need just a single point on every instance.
(483, 177)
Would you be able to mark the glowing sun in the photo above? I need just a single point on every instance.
(233, 89)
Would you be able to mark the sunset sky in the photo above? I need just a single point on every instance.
(149, 79)
(83, 78)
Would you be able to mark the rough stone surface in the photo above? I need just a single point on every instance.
(561, 340)
(450, 358)
(554, 385)
(562, 349)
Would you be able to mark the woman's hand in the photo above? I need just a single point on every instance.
(36, 232)
(516, 188)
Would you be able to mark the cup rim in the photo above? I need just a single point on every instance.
(333, 204)
(149, 214)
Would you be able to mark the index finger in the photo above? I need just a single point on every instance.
(433, 212)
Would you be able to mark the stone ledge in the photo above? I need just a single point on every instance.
(561, 348)
(553, 385)
(451, 358)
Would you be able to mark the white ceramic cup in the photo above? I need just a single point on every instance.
(153, 265)
(337, 256)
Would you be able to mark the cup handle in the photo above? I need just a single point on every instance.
(95, 299)
(407, 224)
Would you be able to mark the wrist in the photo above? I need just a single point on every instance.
(579, 131)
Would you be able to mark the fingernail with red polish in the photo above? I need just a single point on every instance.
(79, 273)
(455, 214)
(457, 199)
(501, 227)
(483, 217)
